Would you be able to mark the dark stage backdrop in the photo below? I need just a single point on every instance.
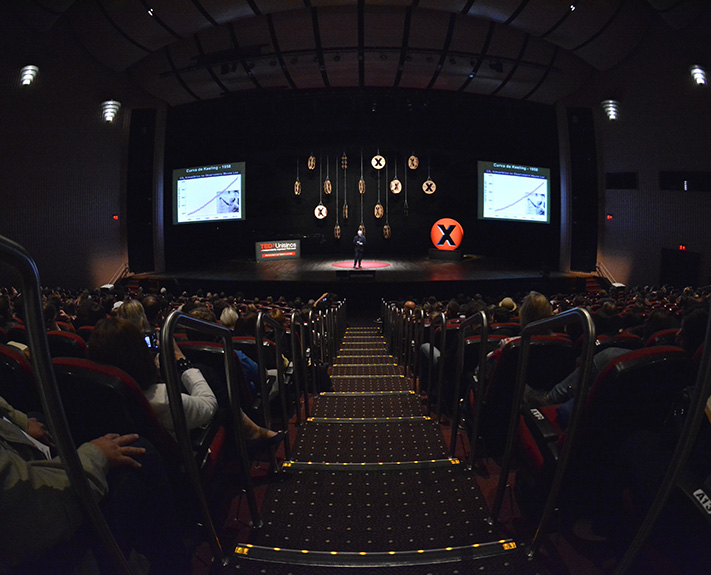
(447, 132)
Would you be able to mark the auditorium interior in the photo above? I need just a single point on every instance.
(489, 150)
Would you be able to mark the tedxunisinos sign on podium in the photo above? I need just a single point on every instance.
(277, 250)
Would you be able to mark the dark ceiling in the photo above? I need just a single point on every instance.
(183, 51)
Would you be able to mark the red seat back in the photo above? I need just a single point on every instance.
(100, 399)
(66, 344)
(17, 380)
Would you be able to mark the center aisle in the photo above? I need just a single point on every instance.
(371, 485)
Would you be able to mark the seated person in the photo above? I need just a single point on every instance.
(118, 342)
(535, 306)
(690, 336)
(249, 366)
(40, 512)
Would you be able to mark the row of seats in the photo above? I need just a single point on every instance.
(637, 392)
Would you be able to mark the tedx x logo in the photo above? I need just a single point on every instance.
(320, 211)
(446, 234)
(446, 237)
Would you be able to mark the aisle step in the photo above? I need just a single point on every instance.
(353, 510)
(385, 441)
(367, 385)
(371, 406)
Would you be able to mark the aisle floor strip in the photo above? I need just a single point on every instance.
(367, 393)
(371, 466)
(376, 558)
(368, 419)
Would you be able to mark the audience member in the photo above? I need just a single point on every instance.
(40, 512)
(118, 342)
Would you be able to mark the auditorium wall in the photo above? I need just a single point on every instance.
(63, 167)
(664, 125)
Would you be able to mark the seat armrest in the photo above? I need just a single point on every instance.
(696, 490)
(539, 426)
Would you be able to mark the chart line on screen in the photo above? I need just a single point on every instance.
(215, 198)
(527, 195)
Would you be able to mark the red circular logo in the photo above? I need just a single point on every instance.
(447, 234)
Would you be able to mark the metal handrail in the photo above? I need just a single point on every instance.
(312, 345)
(480, 319)
(440, 369)
(409, 335)
(177, 412)
(263, 318)
(298, 353)
(419, 337)
(15, 256)
(684, 445)
(120, 273)
(604, 272)
(561, 320)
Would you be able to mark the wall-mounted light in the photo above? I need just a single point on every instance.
(612, 109)
(109, 109)
(28, 75)
(698, 74)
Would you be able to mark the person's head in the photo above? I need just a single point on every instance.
(202, 313)
(5, 308)
(692, 332)
(535, 306)
(229, 317)
(658, 320)
(118, 342)
(133, 311)
(278, 315)
(153, 308)
(608, 308)
(49, 312)
(452, 309)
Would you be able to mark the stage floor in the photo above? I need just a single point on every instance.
(388, 278)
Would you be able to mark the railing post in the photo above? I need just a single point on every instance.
(560, 320)
(480, 380)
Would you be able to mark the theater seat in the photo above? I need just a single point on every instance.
(85, 332)
(100, 399)
(634, 391)
(624, 340)
(663, 337)
(17, 380)
(66, 344)
(211, 356)
(18, 333)
(248, 346)
(551, 359)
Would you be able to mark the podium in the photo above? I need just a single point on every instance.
(445, 255)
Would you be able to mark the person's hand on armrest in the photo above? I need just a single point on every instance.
(118, 450)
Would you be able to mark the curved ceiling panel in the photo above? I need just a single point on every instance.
(540, 50)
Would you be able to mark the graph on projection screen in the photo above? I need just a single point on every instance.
(513, 192)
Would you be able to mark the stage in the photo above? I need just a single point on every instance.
(380, 278)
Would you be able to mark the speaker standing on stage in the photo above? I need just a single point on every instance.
(359, 243)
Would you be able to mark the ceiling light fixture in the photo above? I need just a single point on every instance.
(698, 74)
(109, 109)
(28, 75)
(612, 109)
